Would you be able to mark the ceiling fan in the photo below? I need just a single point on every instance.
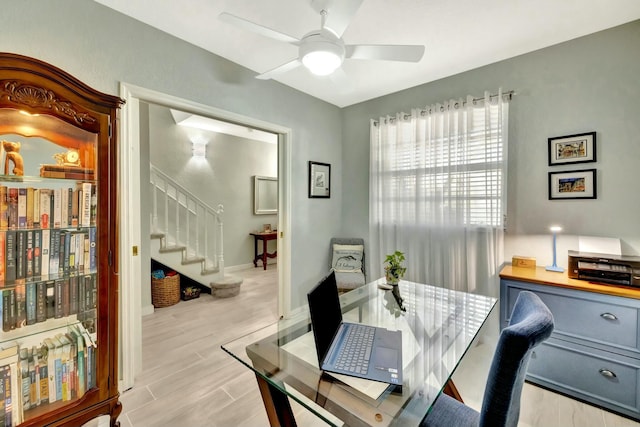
(322, 51)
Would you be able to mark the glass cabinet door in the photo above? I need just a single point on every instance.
(49, 275)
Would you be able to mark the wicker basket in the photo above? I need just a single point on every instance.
(165, 292)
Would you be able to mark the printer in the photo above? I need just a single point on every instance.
(604, 268)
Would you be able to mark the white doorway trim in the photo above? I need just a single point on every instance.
(130, 186)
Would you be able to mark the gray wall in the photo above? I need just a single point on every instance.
(103, 48)
(224, 176)
(588, 84)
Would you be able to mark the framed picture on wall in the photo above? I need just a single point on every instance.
(319, 180)
(578, 184)
(579, 148)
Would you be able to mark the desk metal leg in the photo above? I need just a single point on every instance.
(277, 405)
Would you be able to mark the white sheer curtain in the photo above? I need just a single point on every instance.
(437, 192)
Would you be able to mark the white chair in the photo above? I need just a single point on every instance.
(346, 256)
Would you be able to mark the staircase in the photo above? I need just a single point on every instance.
(186, 233)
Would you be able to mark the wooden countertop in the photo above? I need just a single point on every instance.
(541, 276)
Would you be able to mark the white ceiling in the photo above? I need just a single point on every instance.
(459, 35)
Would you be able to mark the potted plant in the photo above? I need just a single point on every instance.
(394, 270)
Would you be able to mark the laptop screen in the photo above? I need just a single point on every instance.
(326, 316)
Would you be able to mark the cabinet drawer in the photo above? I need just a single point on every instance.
(587, 373)
(603, 319)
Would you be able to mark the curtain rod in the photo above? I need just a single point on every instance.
(509, 94)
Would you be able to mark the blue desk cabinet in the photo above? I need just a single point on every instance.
(594, 351)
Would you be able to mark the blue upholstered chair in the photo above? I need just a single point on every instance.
(531, 323)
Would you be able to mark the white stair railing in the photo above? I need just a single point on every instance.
(186, 221)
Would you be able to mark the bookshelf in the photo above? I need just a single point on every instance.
(58, 247)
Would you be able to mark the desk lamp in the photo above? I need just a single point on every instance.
(555, 229)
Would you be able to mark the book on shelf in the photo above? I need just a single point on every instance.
(54, 252)
(10, 256)
(12, 208)
(80, 360)
(37, 254)
(50, 296)
(41, 302)
(36, 208)
(25, 380)
(4, 208)
(77, 193)
(93, 235)
(73, 294)
(44, 374)
(51, 368)
(65, 351)
(64, 213)
(44, 262)
(29, 255)
(20, 252)
(45, 207)
(8, 309)
(58, 349)
(3, 257)
(30, 206)
(22, 208)
(31, 302)
(21, 303)
(65, 248)
(66, 172)
(85, 214)
(59, 298)
(34, 374)
(9, 375)
(56, 200)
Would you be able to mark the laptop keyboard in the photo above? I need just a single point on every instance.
(356, 351)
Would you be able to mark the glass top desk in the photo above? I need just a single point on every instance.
(438, 326)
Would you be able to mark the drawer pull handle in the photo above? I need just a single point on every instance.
(609, 316)
(607, 373)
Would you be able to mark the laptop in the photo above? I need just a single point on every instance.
(352, 349)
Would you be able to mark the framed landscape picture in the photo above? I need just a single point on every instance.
(579, 148)
(319, 180)
(578, 184)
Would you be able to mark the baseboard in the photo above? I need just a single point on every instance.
(246, 266)
(147, 310)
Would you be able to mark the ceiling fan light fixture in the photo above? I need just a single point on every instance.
(320, 55)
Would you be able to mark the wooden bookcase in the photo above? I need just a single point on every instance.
(59, 335)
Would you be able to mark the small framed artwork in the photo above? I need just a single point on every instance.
(578, 184)
(580, 148)
(319, 180)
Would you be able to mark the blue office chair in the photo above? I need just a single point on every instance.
(531, 323)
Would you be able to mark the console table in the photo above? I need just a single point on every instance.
(594, 351)
(265, 236)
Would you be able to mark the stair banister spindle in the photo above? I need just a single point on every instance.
(154, 189)
(177, 217)
(166, 206)
(220, 240)
(188, 223)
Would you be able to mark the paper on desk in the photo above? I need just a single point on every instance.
(599, 245)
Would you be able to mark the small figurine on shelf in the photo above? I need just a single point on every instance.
(12, 154)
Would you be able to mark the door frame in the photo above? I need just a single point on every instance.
(130, 185)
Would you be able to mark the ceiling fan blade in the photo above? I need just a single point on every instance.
(339, 13)
(405, 53)
(279, 70)
(257, 28)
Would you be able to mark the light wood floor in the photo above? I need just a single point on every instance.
(189, 381)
